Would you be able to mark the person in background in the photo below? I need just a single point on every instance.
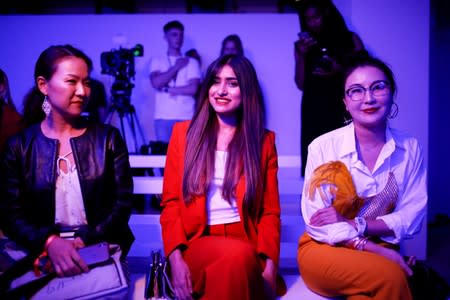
(63, 173)
(232, 44)
(10, 119)
(195, 55)
(365, 192)
(175, 78)
(220, 214)
(95, 109)
(323, 46)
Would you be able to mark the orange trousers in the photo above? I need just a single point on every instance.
(338, 271)
(224, 265)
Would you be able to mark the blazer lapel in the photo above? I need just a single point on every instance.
(240, 192)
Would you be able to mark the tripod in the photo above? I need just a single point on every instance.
(126, 110)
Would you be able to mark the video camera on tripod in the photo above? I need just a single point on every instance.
(120, 64)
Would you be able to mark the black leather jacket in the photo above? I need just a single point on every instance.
(28, 181)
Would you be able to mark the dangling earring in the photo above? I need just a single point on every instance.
(46, 106)
(394, 111)
(347, 121)
(347, 117)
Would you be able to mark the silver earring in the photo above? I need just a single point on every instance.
(347, 121)
(46, 106)
(347, 117)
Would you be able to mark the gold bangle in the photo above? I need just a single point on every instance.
(357, 243)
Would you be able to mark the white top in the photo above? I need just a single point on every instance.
(401, 155)
(68, 199)
(179, 107)
(219, 210)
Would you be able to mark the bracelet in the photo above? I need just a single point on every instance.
(361, 245)
(39, 263)
(357, 243)
(361, 225)
(42, 261)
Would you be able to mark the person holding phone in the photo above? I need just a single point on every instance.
(64, 173)
(322, 47)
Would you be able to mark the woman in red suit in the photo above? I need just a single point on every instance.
(221, 213)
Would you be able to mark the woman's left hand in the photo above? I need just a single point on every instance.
(270, 276)
(325, 216)
(66, 260)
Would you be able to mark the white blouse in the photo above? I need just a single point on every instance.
(401, 155)
(68, 199)
(219, 210)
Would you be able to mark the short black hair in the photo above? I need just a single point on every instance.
(173, 24)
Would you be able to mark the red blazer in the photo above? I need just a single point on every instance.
(183, 223)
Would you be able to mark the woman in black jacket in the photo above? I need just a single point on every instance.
(63, 173)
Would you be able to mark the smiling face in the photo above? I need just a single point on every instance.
(225, 94)
(68, 89)
(373, 108)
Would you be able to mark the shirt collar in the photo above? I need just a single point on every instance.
(349, 144)
(348, 141)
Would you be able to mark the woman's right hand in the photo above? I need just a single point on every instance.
(389, 254)
(65, 258)
(181, 277)
(181, 62)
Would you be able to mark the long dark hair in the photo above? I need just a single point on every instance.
(334, 35)
(234, 38)
(46, 66)
(244, 150)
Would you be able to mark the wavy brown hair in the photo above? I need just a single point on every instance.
(244, 150)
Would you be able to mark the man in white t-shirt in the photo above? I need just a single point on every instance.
(176, 79)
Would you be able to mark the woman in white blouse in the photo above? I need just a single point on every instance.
(365, 192)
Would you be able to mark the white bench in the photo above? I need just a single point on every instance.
(147, 230)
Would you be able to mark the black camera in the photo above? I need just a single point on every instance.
(120, 63)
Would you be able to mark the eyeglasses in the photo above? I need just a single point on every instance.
(377, 89)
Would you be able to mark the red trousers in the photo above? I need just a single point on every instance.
(225, 265)
(335, 271)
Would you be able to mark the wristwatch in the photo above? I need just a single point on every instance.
(361, 225)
